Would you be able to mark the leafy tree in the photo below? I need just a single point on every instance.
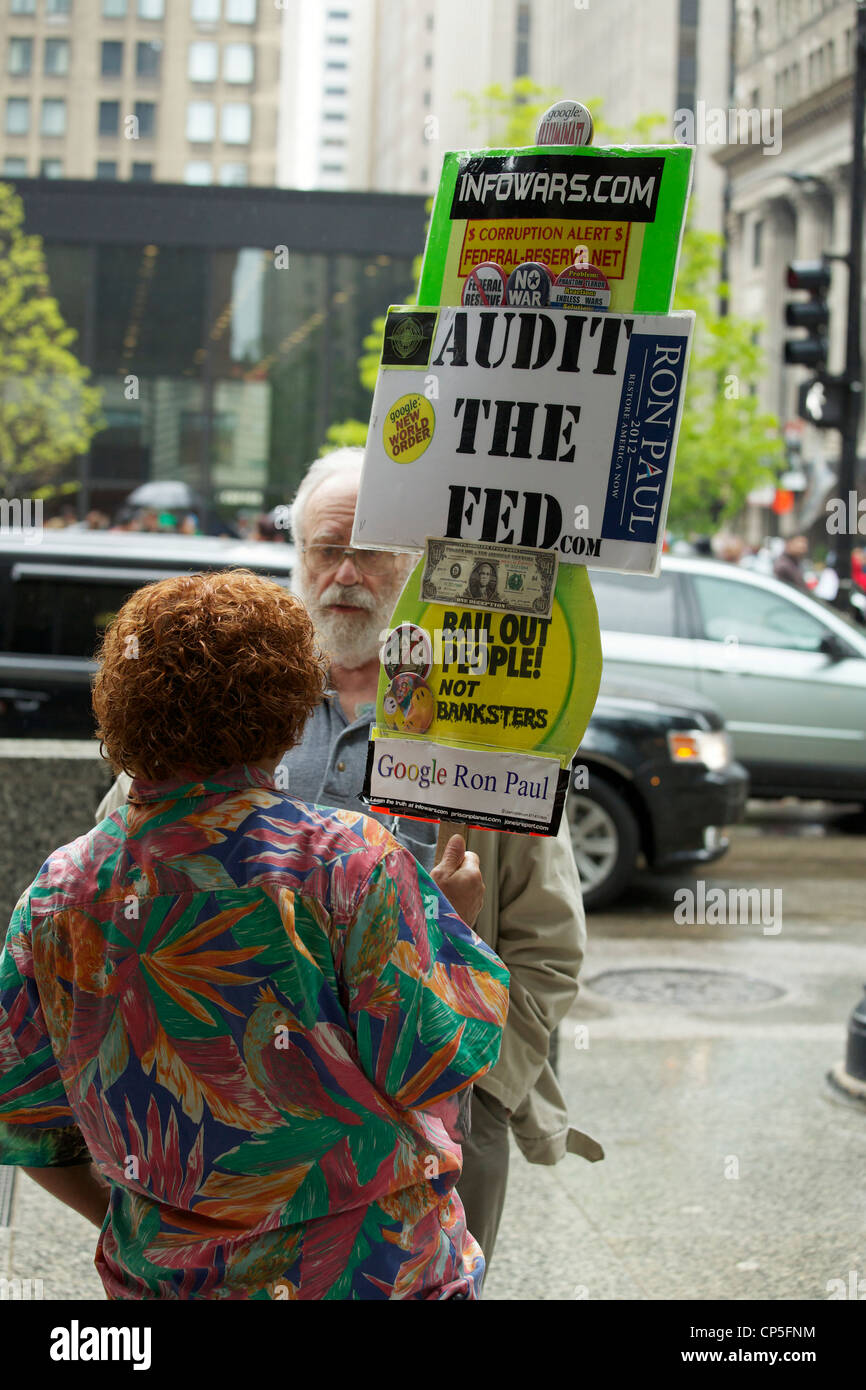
(343, 435)
(727, 443)
(48, 412)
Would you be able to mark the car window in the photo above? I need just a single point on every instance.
(636, 603)
(745, 613)
(52, 617)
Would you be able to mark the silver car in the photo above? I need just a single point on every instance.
(787, 672)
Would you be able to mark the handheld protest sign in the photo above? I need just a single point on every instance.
(537, 428)
(625, 205)
(485, 733)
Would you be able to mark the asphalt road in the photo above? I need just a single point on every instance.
(732, 1171)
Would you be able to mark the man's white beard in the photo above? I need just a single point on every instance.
(349, 639)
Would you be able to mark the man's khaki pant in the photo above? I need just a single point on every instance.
(485, 1170)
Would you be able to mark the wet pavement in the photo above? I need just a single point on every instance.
(732, 1170)
(697, 1054)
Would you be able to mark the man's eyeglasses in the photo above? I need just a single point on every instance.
(329, 557)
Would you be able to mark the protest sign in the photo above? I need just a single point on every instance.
(542, 428)
(480, 710)
(619, 210)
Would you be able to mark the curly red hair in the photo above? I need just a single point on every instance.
(205, 671)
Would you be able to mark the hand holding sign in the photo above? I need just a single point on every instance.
(458, 876)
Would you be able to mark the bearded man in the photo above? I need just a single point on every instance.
(532, 914)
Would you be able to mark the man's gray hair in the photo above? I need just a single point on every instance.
(348, 460)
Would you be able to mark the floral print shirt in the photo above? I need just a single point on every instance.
(261, 1019)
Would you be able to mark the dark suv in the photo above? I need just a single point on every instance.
(58, 592)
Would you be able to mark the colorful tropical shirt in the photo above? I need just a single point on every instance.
(260, 1018)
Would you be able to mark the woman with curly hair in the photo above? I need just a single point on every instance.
(237, 1031)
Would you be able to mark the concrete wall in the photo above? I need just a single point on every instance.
(49, 791)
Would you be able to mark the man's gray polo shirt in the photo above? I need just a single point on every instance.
(327, 767)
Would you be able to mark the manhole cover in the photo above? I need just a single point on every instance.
(683, 987)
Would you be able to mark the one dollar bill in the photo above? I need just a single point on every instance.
(503, 578)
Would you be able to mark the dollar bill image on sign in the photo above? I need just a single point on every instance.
(497, 578)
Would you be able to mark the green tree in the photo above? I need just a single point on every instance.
(727, 444)
(48, 412)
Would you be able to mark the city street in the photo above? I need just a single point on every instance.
(732, 1170)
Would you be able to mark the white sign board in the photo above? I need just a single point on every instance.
(508, 790)
(531, 427)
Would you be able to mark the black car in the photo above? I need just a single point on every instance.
(653, 778)
(58, 589)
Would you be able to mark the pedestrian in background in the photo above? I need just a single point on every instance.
(788, 565)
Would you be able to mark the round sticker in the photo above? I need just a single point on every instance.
(407, 648)
(529, 286)
(565, 123)
(408, 428)
(408, 704)
(484, 286)
(581, 287)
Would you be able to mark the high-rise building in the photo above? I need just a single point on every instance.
(179, 91)
(431, 58)
(643, 60)
(325, 103)
(795, 57)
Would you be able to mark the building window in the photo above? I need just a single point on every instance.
(51, 169)
(23, 7)
(58, 6)
(20, 59)
(112, 58)
(56, 57)
(521, 47)
(109, 117)
(198, 171)
(114, 9)
(338, 14)
(148, 59)
(17, 115)
(15, 167)
(145, 115)
(337, 92)
(241, 11)
(338, 38)
(335, 142)
(53, 116)
(142, 173)
(203, 59)
(238, 62)
(758, 242)
(106, 169)
(333, 168)
(206, 11)
(236, 123)
(336, 65)
(200, 122)
(334, 115)
(234, 175)
(150, 9)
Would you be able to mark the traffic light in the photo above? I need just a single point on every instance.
(821, 401)
(812, 314)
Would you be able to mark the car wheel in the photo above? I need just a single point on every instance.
(605, 840)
